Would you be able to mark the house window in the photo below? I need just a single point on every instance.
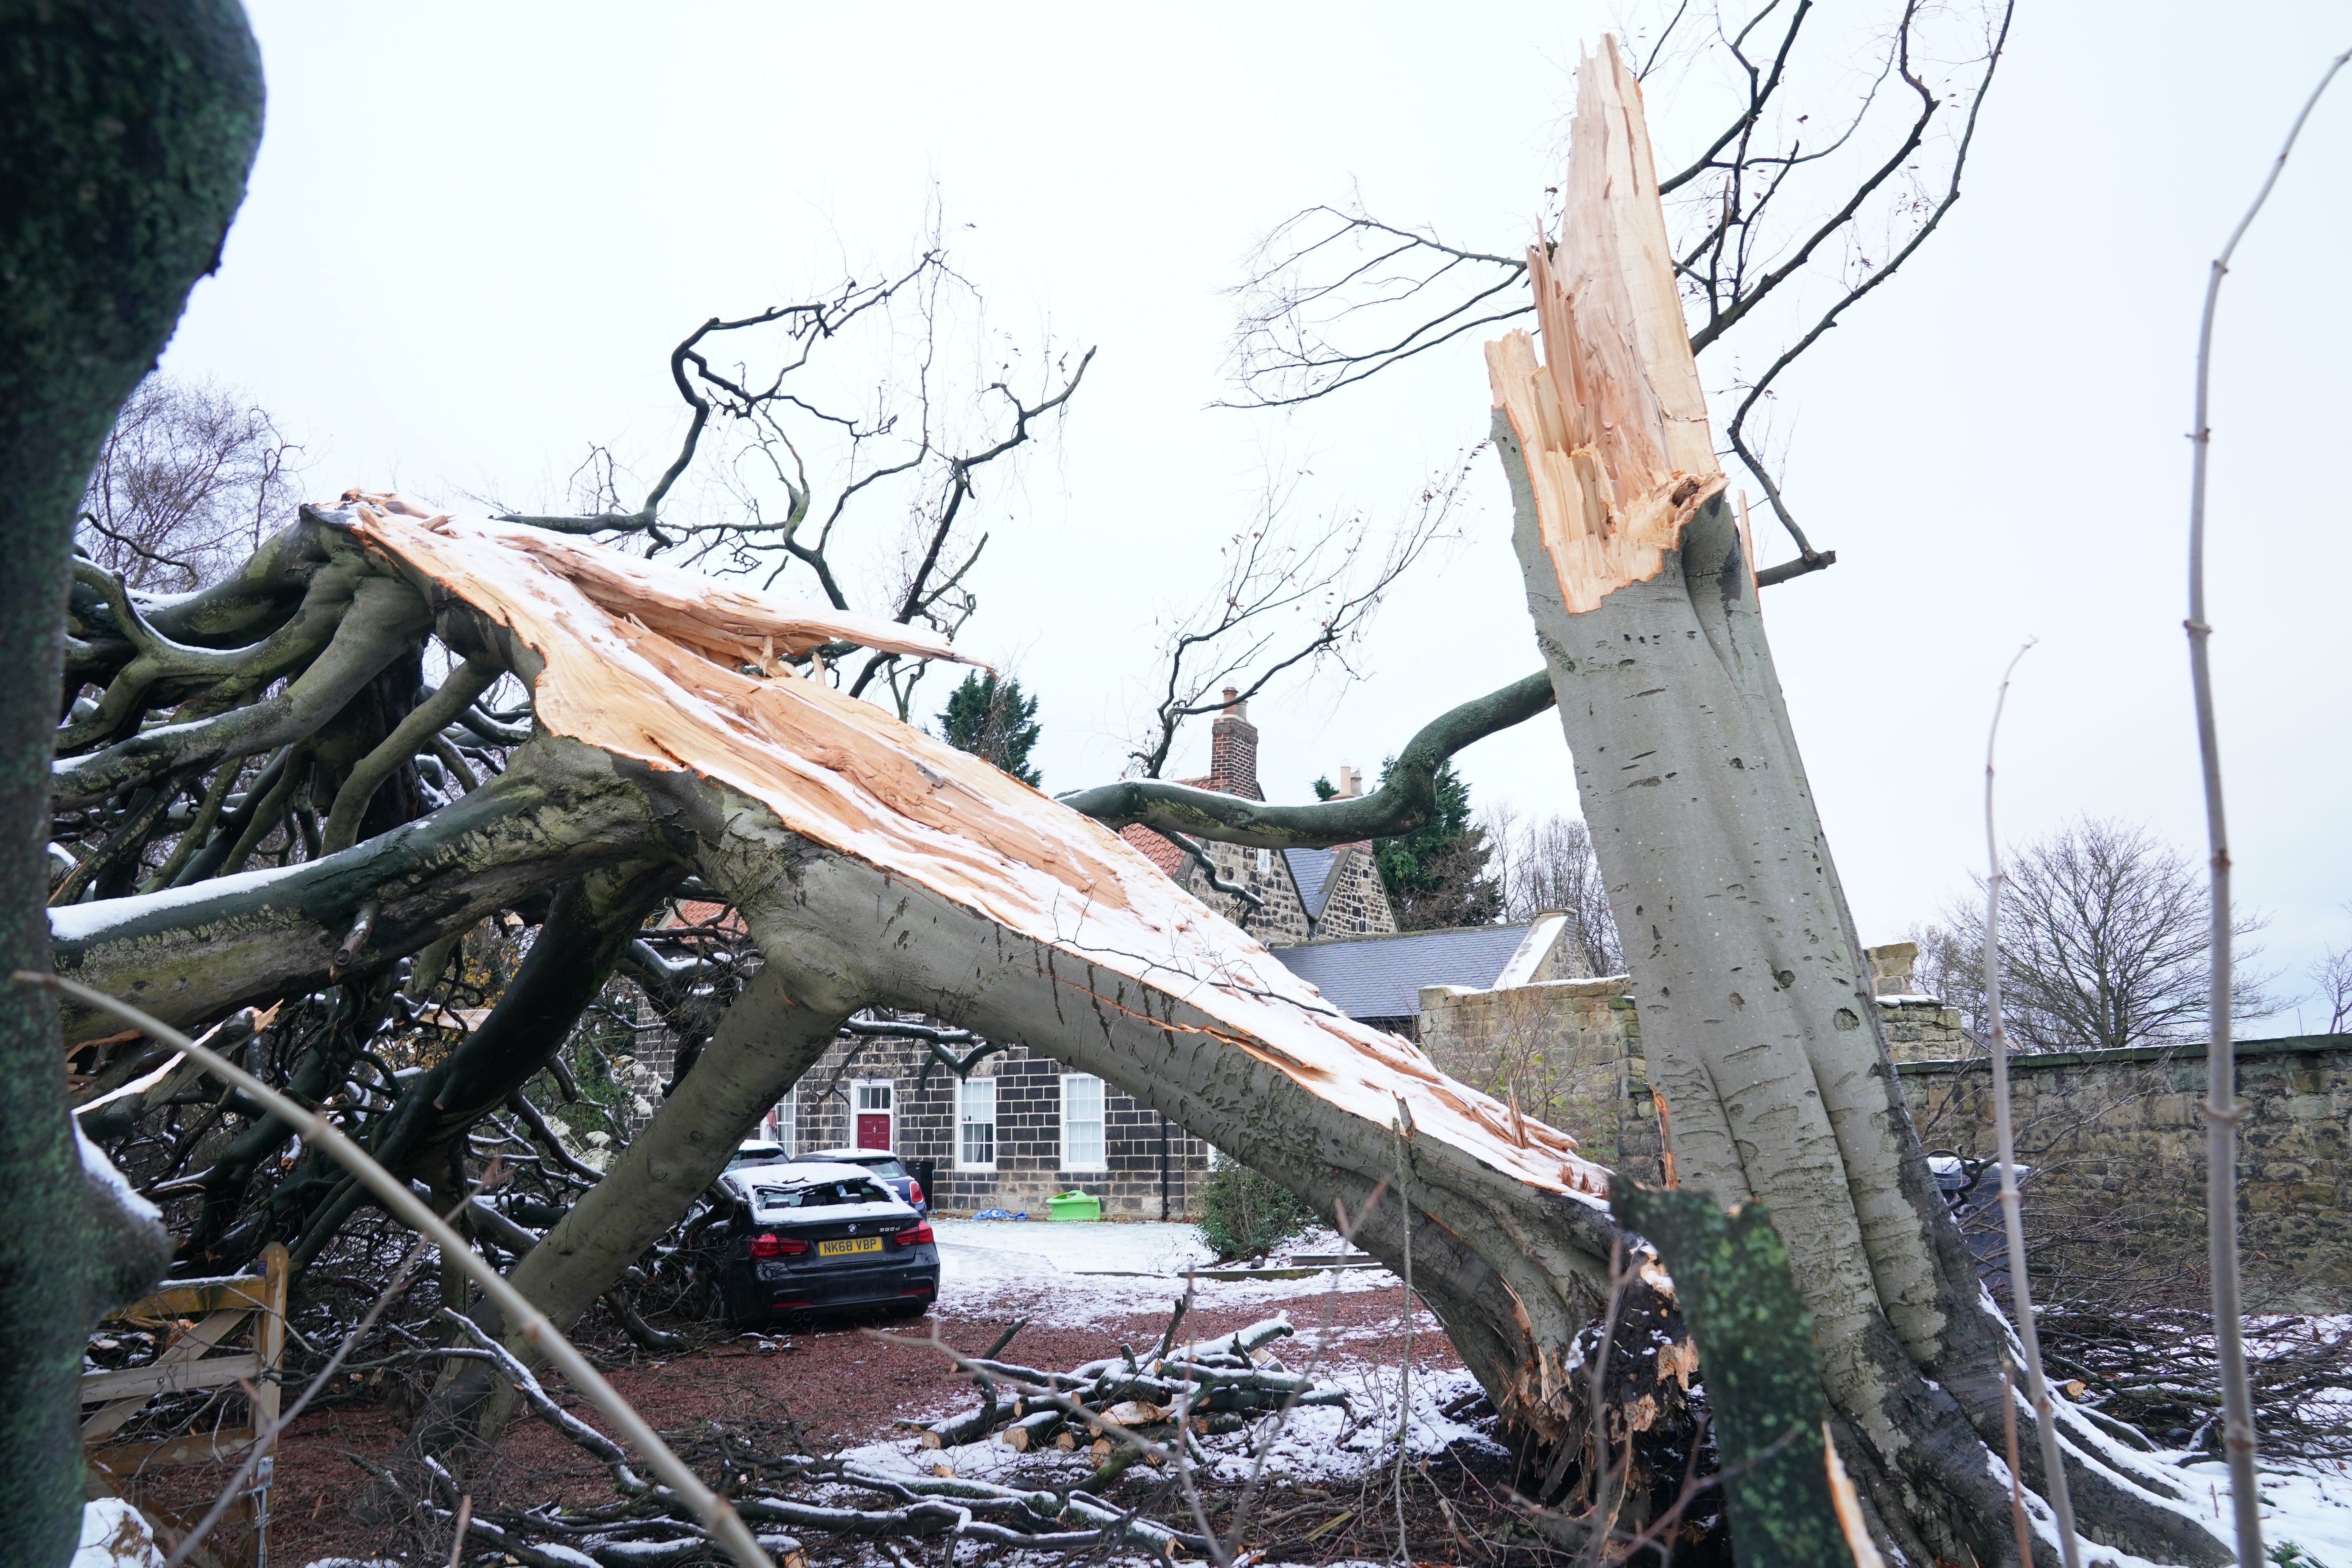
(1082, 1122)
(873, 1115)
(787, 1119)
(1265, 862)
(976, 1125)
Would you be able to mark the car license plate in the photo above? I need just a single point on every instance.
(856, 1244)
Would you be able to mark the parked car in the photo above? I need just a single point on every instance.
(757, 1151)
(794, 1237)
(882, 1164)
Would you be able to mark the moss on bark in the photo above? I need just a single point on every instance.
(126, 129)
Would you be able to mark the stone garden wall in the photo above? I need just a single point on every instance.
(2114, 1139)
(2116, 1144)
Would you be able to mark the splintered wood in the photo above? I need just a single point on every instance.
(1613, 421)
(645, 662)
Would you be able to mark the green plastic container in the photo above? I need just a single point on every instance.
(1074, 1204)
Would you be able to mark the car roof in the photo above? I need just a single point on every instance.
(842, 1156)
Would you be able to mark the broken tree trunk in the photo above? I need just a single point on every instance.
(1757, 1014)
(876, 866)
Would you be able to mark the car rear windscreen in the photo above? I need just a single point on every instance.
(821, 1194)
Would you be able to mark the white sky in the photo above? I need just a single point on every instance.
(475, 233)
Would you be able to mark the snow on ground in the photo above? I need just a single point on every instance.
(1069, 1275)
(1077, 1274)
(2307, 1506)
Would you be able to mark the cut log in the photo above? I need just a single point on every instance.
(1038, 1426)
(1134, 1413)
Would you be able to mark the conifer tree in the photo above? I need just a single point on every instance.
(991, 719)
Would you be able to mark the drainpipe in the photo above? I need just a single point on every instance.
(1163, 1165)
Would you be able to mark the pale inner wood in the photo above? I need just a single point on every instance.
(1613, 421)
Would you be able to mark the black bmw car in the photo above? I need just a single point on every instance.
(790, 1238)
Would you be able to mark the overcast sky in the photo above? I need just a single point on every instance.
(475, 232)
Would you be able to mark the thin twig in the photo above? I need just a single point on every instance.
(2021, 1288)
(1404, 1361)
(458, 1537)
(2220, 1058)
(2016, 1482)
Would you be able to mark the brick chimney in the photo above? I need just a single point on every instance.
(1351, 784)
(1233, 749)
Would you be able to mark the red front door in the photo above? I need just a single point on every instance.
(873, 1129)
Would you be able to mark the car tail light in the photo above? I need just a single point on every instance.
(920, 1233)
(768, 1243)
(915, 1192)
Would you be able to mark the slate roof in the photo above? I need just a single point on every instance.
(1381, 976)
(1312, 870)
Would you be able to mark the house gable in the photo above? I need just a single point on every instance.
(1304, 895)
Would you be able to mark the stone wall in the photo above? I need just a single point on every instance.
(2116, 1144)
(1359, 901)
(2117, 1199)
(1922, 1029)
(1568, 1051)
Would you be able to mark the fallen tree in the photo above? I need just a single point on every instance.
(873, 867)
(677, 730)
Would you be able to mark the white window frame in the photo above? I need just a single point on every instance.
(1088, 1083)
(788, 1120)
(965, 1096)
(858, 1107)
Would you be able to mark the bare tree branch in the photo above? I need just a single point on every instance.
(1238, 644)
(1334, 294)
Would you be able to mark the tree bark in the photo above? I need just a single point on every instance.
(189, 954)
(124, 142)
(1759, 1021)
